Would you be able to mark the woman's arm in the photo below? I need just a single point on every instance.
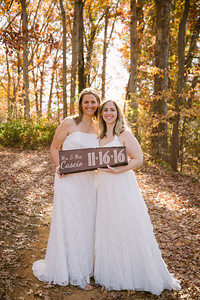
(61, 132)
(134, 152)
(133, 149)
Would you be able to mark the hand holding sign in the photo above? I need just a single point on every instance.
(79, 160)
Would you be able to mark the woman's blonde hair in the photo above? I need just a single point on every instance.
(120, 124)
(84, 92)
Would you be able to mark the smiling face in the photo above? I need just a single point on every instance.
(109, 113)
(89, 104)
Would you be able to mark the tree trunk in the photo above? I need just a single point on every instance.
(106, 42)
(51, 87)
(105, 46)
(25, 60)
(14, 93)
(58, 99)
(159, 105)
(19, 68)
(182, 142)
(193, 44)
(179, 98)
(186, 119)
(64, 77)
(89, 55)
(41, 89)
(132, 84)
(8, 89)
(141, 22)
(35, 82)
(74, 58)
(81, 69)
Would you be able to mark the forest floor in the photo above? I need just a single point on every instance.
(26, 205)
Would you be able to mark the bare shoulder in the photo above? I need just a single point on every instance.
(65, 127)
(131, 143)
(126, 136)
(67, 123)
(129, 140)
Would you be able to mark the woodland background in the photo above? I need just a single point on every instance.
(50, 51)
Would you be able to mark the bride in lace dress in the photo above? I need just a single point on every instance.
(127, 255)
(70, 249)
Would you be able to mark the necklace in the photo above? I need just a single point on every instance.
(86, 127)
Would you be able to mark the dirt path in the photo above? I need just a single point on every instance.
(26, 205)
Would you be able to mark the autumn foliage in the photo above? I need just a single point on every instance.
(162, 98)
(49, 51)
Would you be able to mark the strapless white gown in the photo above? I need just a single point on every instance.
(70, 250)
(127, 255)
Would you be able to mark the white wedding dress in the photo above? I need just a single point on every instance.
(70, 250)
(127, 255)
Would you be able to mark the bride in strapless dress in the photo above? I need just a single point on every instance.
(70, 249)
(127, 256)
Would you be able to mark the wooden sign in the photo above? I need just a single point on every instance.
(79, 160)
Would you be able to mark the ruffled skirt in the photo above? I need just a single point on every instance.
(127, 255)
(70, 250)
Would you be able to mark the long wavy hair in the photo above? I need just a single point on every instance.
(120, 124)
(84, 92)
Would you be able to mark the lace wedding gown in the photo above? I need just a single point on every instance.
(127, 255)
(70, 250)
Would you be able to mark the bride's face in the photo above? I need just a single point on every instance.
(89, 104)
(109, 113)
